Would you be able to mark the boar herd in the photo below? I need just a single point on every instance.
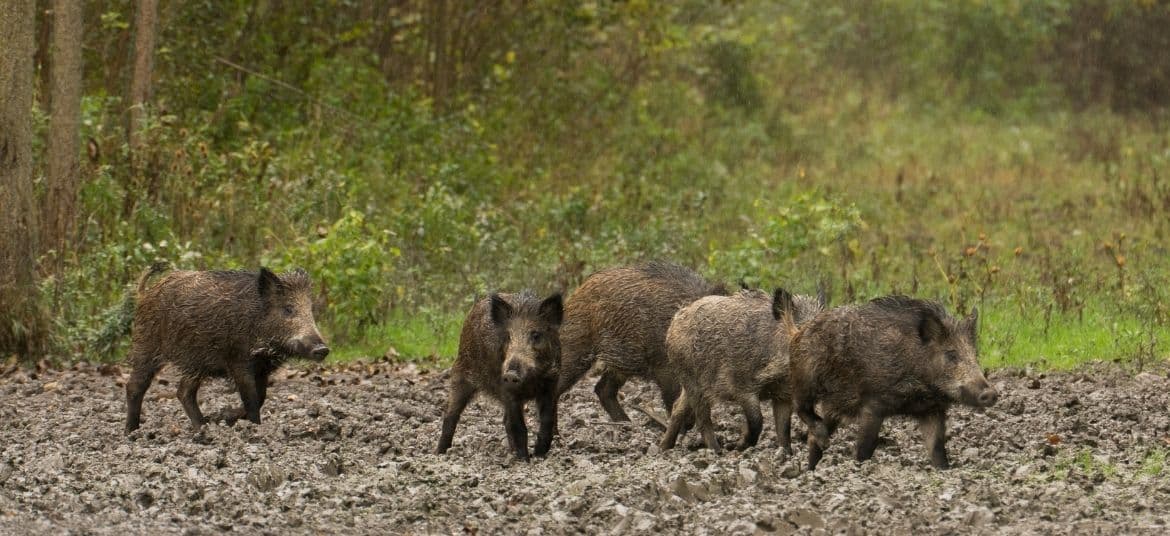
(698, 342)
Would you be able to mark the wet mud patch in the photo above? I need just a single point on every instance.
(350, 450)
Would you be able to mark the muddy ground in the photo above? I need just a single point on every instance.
(350, 451)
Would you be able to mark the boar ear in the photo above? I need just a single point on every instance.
(552, 309)
(782, 303)
(823, 294)
(267, 282)
(501, 310)
(971, 324)
(930, 326)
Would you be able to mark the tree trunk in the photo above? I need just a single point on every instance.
(60, 204)
(439, 52)
(23, 326)
(145, 21)
(41, 59)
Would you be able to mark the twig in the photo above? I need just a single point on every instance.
(654, 416)
(621, 424)
(292, 88)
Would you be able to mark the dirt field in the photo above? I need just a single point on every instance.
(350, 451)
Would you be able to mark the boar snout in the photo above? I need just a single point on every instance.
(988, 396)
(310, 346)
(513, 373)
(981, 394)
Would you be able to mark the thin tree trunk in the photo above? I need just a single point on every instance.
(60, 204)
(145, 21)
(41, 59)
(23, 327)
(137, 95)
(440, 53)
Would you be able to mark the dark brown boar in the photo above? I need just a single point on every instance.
(734, 348)
(619, 317)
(510, 349)
(892, 356)
(215, 324)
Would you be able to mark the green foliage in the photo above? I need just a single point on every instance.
(792, 239)
(928, 147)
(350, 262)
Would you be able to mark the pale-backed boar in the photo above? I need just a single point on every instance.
(734, 348)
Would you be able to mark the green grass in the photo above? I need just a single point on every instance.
(428, 338)
(1009, 339)
(1154, 463)
(1012, 338)
(1083, 461)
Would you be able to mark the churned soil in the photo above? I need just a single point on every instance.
(350, 450)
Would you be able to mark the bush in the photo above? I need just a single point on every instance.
(791, 242)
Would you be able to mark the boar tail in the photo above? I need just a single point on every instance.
(157, 268)
(784, 310)
(788, 324)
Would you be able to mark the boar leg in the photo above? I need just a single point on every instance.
(679, 415)
(869, 425)
(136, 387)
(703, 421)
(753, 422)
(818, 435)
(607, 391)
(573, 365)
(934, 431)
(515, 427)
(460, 395)
(782, 415)
(188, 396)
(546, 406)
(261, 371)
(670, 390)
(249, 395)
(818, 439)
(260, 375)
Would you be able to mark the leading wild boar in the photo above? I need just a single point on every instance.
(892, 356)
(510, 349)
(216, 324)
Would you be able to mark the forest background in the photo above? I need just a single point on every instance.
(416, 154)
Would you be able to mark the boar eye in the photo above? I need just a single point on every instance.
(952, 356)
(288, 310)
(534, 337)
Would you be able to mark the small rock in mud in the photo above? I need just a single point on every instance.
(804, 517)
